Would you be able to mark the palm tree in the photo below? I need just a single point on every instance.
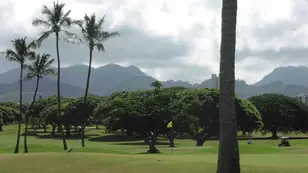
(228, 158)
(93, 35)
(22, 51)
(40, 67)
(56, 20)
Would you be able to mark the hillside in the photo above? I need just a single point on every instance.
(290, 75)
(112, 77)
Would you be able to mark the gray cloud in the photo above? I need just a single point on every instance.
(132, 46)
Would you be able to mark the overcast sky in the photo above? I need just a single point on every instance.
(174, 39)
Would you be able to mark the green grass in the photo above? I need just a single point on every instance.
(107, 153)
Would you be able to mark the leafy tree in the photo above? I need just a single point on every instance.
(8, 114)
(281, 113)
(93, 36)
(49, 115)
(78, 113)
(248, 117)
(22, 51)
(228, 157)
(39, 68)
(56, 20)
(196, 112)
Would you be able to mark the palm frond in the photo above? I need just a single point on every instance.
(46, 11)
(65, 21)
(49, 71)
(72, 38)
(43, 37)
(32, 45)
(101, 22)
(38, 22)
(11, 55)
(107, 35)
(100, 47)
(40, 66)
(31, 55)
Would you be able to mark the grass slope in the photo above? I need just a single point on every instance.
(110, 153)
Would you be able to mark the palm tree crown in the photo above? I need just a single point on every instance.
(21, 52)
(56, 20)
(40, 67)
(93, 34)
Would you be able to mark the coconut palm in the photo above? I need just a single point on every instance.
(228, 158)
(93, 36)
(56, 20)
(40, 67)
(21, 52)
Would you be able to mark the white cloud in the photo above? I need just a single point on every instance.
(195, 23)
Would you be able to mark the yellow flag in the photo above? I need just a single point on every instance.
(170, 125)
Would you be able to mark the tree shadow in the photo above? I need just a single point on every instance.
(115, 138)
(56, 136)
(141, 143)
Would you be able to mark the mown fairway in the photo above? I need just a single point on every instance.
(110, 153)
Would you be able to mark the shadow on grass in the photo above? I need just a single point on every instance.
(115, 138)
(39, 135)
(141, 143)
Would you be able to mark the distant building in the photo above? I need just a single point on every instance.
(303, 98)
(215, 81)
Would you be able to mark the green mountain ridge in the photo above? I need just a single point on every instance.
(112, 77)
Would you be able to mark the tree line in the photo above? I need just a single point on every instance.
(145, 114)
(56, 21)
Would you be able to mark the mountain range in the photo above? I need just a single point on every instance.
(289, 80)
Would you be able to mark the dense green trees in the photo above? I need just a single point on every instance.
(281, 113)
(145, 114)
(193, 111)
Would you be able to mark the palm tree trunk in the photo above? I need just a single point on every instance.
(58, 92)
(228, 158)
(20, 109)
(27, 115)
(86, 94)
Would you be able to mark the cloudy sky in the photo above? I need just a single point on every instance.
(174, 39)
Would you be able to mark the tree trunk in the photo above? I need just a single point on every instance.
(274, 134)
(53, 130)
(27, 115)
(20, 108)
(201, 139)
(152, 137)
(1, 127)
(58, 92)
(228, 158)
(86, 94)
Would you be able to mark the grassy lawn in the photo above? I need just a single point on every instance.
(110, 153)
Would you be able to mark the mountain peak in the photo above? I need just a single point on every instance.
(291, 75)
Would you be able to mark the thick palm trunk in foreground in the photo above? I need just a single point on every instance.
(58, 93)
(228, 158)
(20, 109)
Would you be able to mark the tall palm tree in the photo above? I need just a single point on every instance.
(56, 20)
(92, 35)
(21, 52)
(40, 67)
(228, 158)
